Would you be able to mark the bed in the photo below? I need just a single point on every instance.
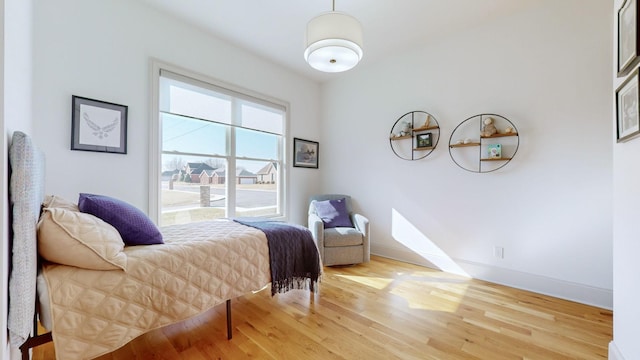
(90, 312)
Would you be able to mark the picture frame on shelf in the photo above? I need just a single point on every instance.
(494, 151)
(424, 140)
(628, 39)
(98, 126)
(628, 108)
(305, 153)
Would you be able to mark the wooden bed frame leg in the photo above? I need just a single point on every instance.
(229, 330)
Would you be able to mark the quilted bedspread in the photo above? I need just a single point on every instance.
(199, 266)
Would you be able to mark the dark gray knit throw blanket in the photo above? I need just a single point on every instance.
(293, 255)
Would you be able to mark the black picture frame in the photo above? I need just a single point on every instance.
(628, 39)
(305, 153)
(424, 141)
(628, 108)
(98, 126)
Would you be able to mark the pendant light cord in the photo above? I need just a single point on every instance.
(334, 5)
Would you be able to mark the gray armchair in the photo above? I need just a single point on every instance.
(340, 245)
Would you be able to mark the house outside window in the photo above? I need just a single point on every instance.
(220, 151)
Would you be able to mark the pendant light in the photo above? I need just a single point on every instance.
(334, 42)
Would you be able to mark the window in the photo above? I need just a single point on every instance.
(219, 152)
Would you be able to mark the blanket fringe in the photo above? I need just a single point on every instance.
(295, 283)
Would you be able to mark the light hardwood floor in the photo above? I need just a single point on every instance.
(384, 310)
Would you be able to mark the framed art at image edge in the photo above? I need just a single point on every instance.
(98, 125)
(628, 108)
(628, 39)
(305, 153)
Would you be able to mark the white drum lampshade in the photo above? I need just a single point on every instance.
(334, 42)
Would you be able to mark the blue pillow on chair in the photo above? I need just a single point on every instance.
(333, 213)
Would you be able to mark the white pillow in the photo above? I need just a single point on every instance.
(78, 239)
(55, 201)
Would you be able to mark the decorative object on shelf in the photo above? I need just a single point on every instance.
(628, 108)
(490, 155)
(628, 39)
(414, 135)
(423, 140)
(494, 151)
(406, 128)
(334, 42)
(489, 128)
(509, 130)
(305, 153)
(427, 121)
(98, 126)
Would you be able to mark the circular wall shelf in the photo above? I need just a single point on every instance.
(414, 135)
(473, 150)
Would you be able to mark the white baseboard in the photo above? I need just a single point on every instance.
(614, 353)
(581, 293)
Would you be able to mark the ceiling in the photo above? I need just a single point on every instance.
(275, 29)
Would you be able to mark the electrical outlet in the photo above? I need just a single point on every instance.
(498, 251)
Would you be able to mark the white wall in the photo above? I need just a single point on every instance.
(547, 69)
(544, 69)
(102, 50)
(15, 105)
(4, 209)
(626, 212)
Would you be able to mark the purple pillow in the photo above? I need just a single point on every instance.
(333, 213)
(134, 226)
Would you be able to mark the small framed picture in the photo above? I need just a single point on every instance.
(627, 109)
(494, 151)
(98, 126)
(423, 140)
(305, 153)
(628, 39)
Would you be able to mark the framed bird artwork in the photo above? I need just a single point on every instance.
(98, 126)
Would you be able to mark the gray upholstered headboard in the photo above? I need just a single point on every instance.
(26, 194)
